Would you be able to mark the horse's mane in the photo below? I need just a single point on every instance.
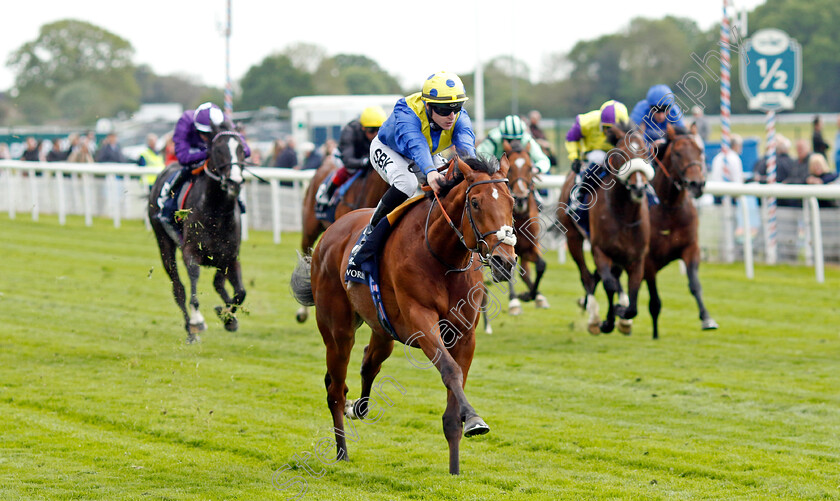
(481, 163)
(623, 126)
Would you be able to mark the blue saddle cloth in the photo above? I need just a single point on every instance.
(366, 271)
(326, 212)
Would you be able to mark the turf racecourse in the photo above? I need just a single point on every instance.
(101, 399)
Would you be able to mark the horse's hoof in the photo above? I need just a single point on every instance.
(515, 307)
(581, 302)
(350, 410)
(525, 296)
(595, 328)
(302, 314)
(709, 324)
(488, 329)
(541, 302)
(196, 328)
(625, 326)
(606, 327)
(475, 426)
(232, 325)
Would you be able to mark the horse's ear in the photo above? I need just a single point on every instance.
(619, 133)
(671, 132)
(527, 147)
(504, 165)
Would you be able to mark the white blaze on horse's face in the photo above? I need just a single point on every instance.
(519, 162)
(495, 194)
(235, 169)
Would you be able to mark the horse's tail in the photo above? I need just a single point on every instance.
(301, 281)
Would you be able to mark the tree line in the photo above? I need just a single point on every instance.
(76, 72)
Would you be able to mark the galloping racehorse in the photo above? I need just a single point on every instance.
(619, 228)
(527, 225)
(430, 287)
(673, 223)
(363, 193)
(211, 230)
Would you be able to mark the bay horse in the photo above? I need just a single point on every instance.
(619, 228)
(211, 230)
(526, 224)
(365, 192)
(674, 222)
(430, 287)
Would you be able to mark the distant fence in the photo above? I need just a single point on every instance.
(809, 234)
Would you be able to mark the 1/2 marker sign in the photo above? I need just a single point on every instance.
(771, 70)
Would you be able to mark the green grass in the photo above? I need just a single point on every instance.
(101, 399)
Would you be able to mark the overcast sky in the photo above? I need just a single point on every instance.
(408, 39)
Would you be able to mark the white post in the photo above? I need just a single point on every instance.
(816, 239)
(728, 231)
(87, 191)
(748, 250)
(10, 192)
(33, 188)
(62, 200)
(275, 209)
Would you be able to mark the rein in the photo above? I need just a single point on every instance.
(503, 234)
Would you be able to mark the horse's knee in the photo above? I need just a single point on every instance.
(611, 284)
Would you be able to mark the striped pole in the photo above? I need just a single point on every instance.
(228, 85)
(724, 90)
(770, 202)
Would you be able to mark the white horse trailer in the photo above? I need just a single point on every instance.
(318, 118)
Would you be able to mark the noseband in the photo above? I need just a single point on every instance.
(504, 235)
(213, 175)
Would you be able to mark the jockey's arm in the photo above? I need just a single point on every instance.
(486, 148)
(538, 157)
(410, 140)
(463, 136)
(347, 147)
(573, 138)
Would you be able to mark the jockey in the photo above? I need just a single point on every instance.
(192, 139)
(421, 126)
(587, 140)
(353, 152)
(650, 113)
(512, 129)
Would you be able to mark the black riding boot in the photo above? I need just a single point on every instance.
(390, 201)
(168, 204)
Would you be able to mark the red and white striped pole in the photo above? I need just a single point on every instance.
(770, 237)
(724, 90)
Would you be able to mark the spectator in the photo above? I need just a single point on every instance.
(534, 118)
(728, 168)
(328, 148)
(57, 153)
(701, 122)
(169, 156)
(311, 158)
(82, 152)
(110, 150)
(150, 158)
(287, 159)
(785, 166)
(91, 141)
(278, 147)
(800, 172)
(256, 157)
(695, 132)
(32, 153)
(817, 141)
(819, 173)
(5, 153)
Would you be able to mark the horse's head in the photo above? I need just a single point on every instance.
(685, 162)
(226, 160)
(520, 175)
(487, 228)
(628, 160)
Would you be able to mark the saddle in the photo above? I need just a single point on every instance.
(326, 212)
(367, 270)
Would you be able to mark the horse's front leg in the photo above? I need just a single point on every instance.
(514, 303)
(611, 286)
(635, 273)
(539, 299)
(380, 348)
(691, 257)
(196, 321)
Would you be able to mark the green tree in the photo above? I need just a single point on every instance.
(272, 83)
(67, 57)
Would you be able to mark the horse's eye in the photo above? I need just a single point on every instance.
(474, 203)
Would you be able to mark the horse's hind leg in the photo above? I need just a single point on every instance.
(589, 303)
(339, 343)
(227, 314)
(380, 348)
(611, 287)
(655, 305)
(170, 264)
(692, 261)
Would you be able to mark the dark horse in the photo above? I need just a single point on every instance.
(364, 193)
(619, 228)
(673, 232)
(211, 230)
(431, 290)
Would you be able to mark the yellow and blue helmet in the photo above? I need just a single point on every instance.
(443, 87)
(613, 112)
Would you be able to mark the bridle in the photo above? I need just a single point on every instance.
(504, 234)
(223, 180)
(529, 187)
(679, 180)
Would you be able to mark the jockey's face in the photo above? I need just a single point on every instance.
(444, 115)
(371, 132)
